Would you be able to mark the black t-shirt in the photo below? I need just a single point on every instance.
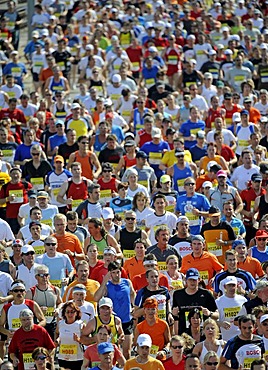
(223, 225)
(66, 150)
(185, 302)
(111, 155)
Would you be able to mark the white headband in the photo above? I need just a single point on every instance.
(17, 285)
(152, 262)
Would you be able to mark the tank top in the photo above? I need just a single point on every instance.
(129, 162)
(111, 324)
(205, 351)
(56, 86)
(47, 298)
(4, 266)
(85, 163)
(263, 207)
(60, 113)
(108, 185)
(78, 192)
(190, 79)
(127, 238)
(261, 256)
(69, 349)
(179, 177)
(101, 244)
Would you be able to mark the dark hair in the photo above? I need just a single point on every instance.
(136, 196)
(150, 270)
(106, 327)
(192, 312)
(74, 307)
(122, 185)
(71, 215)
(35, 208)
(245, 318)
(192, 355)
(114, 266)
(159, 196)
(40, 350)
(98, 223)
(83, 137)
(141, 241)
(92, 187)
(260, 361)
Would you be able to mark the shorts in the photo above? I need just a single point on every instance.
(128, 327)
(35, 77)
(72, 365)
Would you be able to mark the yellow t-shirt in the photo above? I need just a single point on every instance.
(169, 158)
(151, 364)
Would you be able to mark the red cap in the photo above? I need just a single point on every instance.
(261, 234)
(109, 115)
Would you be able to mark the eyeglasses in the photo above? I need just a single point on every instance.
(35, 154)
(53, 244)
(263, 239)
(41, 357)
(29, 253)
(43, 275)
(59, 126)
(130, 218)
(177, 347)
(19, 290)
(71, 311)
(193, 89)
(190, 184)
(212, 363)
(84, 142)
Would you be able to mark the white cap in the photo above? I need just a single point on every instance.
(27, 248)
(156, 132)
(236, 117)
(191, 37)
(183, 219)
(131, 171)
(235, 37)
(230, 280)
(104, 301)
(116, 78)
(211, 164)
(114, 38)
(241, 1)
(228, 52)
(217, 4)
(144, 340)
(212, 52)
(225, 29)
(207, 184)
(44, 32)
(89, 47)
(152, 49)
(263, 46)
(75, 106)
(114, 10)
(220, 46)
(35, 34)
(107, 213)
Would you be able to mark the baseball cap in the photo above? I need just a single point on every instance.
(214, 211)
(130, 143)
(18, 242)
(179, 152)
(105, 347)
(236, 117)
(207, 184)
(35, 34)
(165, 178)
(192, 273)
(219, 84)
(214, 168)
(32, 193)
(152, 49)
(75, 106)
(261, 234)
(42, 194)
(230, 280)
(225, 29)
(59, 122)
(27, 248)
(156, 132)
(109, 115)
(211, 164)
(104, 301)
(227, 95)
(141, 154)
(107, 213)
(89, 47)
(263, 318)
(144, 340)
(201, 134)
(238, 242)
(244, 111)
(263, 119)
(221, 173)
(247, 100)
(228, 52)
(183, 219)
(58, 158)
(198, 237)
(256, 177)
(116, 78)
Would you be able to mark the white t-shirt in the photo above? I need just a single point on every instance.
(154, 222)
(241, 175)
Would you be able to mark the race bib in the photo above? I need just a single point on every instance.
(18, 196)
(38, 183)
(128, 253)
(215, 249)
(16, 324)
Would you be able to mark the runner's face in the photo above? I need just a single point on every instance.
(192, 364)
(246, 329)
(143, 352)
(231, 261)
(153, 279)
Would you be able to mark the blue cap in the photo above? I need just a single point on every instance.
(192, 273)
(105, 348)
(238, 242)
(244, 111)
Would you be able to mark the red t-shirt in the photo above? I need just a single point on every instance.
(26, 341)
(92, 269)
(20, 191)
(15, 114)
(99, 273)
(227, 153)
(169, 364)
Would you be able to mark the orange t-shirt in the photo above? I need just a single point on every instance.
(140, 281)
(85, 164)
(91, 287)
(68, 241)
(254, 115)
(206, 161)
(210, 237)
(207, 265)
(155, 331)
(134, 267)
(201, 179)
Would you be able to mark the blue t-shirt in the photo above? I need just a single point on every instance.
(188, 128)
(23, 152)
(17, 70)
(186, 204)
(150, 147)
(57, 140)
(150, 73)
(198, 153)
(237, 225)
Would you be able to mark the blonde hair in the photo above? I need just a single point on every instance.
(210, 321)
(210, 354)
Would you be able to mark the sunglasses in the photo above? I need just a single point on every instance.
(139, 102)
(177, 347)
(53, 244)
(71, 311)
(107, 171)
(29, 253)
(190, 183)
(59, 125)
(130, 218)
(35, 154)
(212, 363)
(85, 142)
(263, 239)
(43, 275)
(19, 290)
(41, 357)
